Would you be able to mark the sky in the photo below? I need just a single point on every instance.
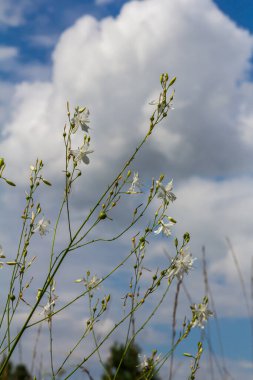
(108, 56)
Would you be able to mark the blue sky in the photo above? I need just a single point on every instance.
(45, 18)
(50, 52)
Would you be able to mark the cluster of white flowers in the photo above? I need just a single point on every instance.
(181, 264)
(200, 313)
(81, 119)
(42, 227)
(165, 193)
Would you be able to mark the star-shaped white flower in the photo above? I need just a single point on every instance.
(135, 185)
(92, 283)
(149, 363)
(80, 119)
(164, 228)
(200, 314)
(47, 309)
(42, 226)
(144, 363)
(165, 192)
(181, 264)
(81, 153)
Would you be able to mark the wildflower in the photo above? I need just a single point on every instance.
(161, 104)
(144, 364)
(81, 118)
(47, 309)
(42, 226)
(164, 228)
(80, 154)
(200, 313)
(165, 192)
(135, 184)
(181, 264)
(92, 283)
(148, 363)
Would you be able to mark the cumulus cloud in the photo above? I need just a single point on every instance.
(108, 62)
(113, 67)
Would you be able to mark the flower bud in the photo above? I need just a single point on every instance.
(12, 297)
(10, 182)
(173, 80)
(102, 215)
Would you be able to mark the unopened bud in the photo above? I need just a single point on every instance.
(102, 215)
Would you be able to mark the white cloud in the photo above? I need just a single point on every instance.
(113, 67)
(114, 70)
(12, 12)
(8, 52)
(106, 54)
(43, 40)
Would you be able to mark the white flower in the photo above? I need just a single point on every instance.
(135, 184)
(164, 228)
(165, 192)
(81, 118)
(144, 363)
(200, 313)
(47, 309)
(181, 264)
(42, 226)
(92, 283)
(148, 363)
(80, 154)
(161, 104)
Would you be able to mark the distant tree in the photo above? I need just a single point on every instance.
(21, 373)
(18, 372)
(8, 371)
(131, 367)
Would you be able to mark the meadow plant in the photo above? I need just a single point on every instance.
(126, 183)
